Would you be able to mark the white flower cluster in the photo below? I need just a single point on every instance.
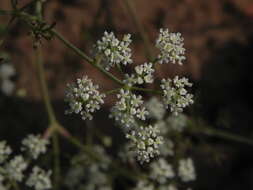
(171, 47)
(175, 95)
(186, 170)
(172, 123)
(147, 185)
(167, 148)
(161, 171)
(6, 72)
(161, 174)
(97, 179)
(128, 108)
(155, 108)
(39, 179)
(83, 98)
(113, 50)
(35, 145)
(177, 123)
(145, 141)
(144, 185)
(15, 168)
(143, 74)
(104, 159)
(5, 151)
(89, 174)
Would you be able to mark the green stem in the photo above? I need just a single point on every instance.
(57, 169)
(112, 91)
(28, 5)
(14, 184)
(39, 9)
(49, 108)
(4, 12)
(85, 57)
(83, 147)
(115, 165)
(132, 12)
(226, 135)
(200, 127)
(43, 87)
(146, 90)
(71, 46)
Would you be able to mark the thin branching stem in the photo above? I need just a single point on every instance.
(132, 12)
(86, 58)
(49, 108)
(57, 168)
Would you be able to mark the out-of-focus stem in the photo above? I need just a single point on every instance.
(49, 108)
(57, 170)
(112, 91)
(146, 90)
(132, 12)
(202, 128)
(15, 185)
(43, 87)
(226, 135)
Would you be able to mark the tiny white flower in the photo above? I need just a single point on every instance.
(34, 145)
(173, 96)
(15, 168)
(177, 122)
(7, 87)
(145, 142)
(5, 151)
(161, 171)
(171, 47)
(128, 109)
(83, 98)
(39, 179)
(144, 73)
(6, 71)
(144, 185)
(113, 50)
(155, 108)
(186, 170)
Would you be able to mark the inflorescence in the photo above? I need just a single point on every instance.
(171, 47)
(130, 111)
(114, 51)
(83, 98)
(14, 169)
(175, 95)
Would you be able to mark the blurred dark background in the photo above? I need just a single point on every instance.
(218, 38)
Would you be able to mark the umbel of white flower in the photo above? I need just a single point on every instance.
(155, 108)
(144, 185)
(143, 74)
(161, 171)
(39, 179)
(186, 170)
(15, 168)
(113, 50)
(171, 47)
(5, 151)
(90, 176)
(34, 145)
(128, 108)
(6, 72)
(177, 122)
(83, 98)
(145, 142)
(175, 95)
